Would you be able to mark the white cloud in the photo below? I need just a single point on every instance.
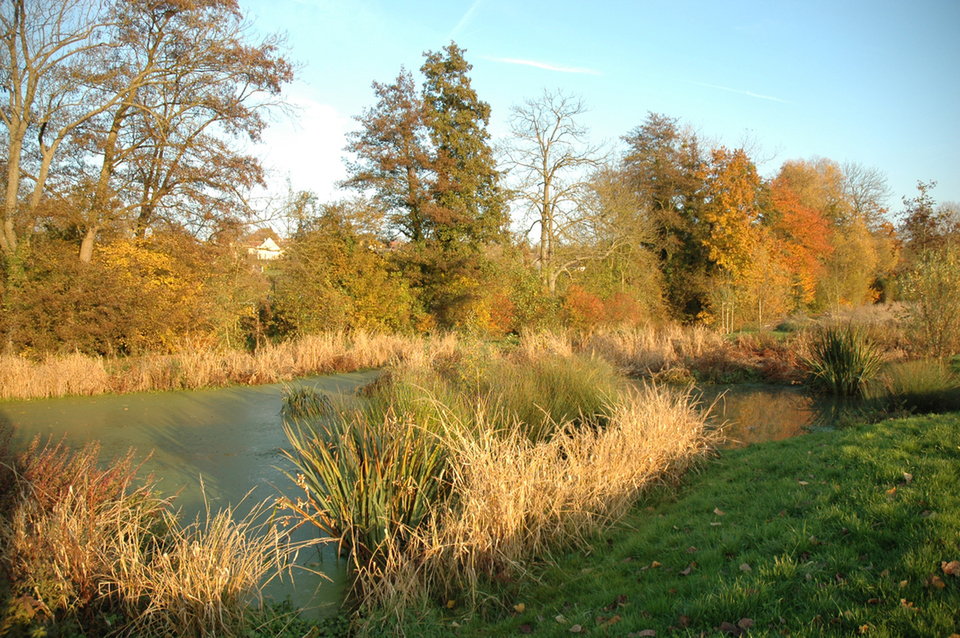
(545, 65)
(751, 94)
(309, 149)
(467, 17)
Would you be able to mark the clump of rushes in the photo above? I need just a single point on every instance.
(917, 386)
(365, 482)
(305, 403)
(842, 360)
(459, 471)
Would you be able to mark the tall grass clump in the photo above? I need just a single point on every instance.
(365, 482)
(921, 387)
(461, 473)
(97, 549)
(842, 360)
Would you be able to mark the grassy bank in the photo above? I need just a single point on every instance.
(839, 533)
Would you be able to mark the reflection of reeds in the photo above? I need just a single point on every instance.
(78, 540)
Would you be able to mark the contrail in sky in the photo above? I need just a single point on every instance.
(467, 17)
(544, 65)
(757, 95)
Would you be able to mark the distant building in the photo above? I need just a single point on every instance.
(264, 244)
(267, 250)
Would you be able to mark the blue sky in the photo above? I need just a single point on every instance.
(876, 82)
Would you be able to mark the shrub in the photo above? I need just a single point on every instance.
(365, 482)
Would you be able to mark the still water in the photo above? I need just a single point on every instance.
(230, 439)
(757, 413)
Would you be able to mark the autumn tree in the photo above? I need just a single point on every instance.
(551, 158)
(139, 91)
(804, 237)
(424, 157)
(664, 161)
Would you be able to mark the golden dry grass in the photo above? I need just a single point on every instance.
(515, 500)
(78, 540)
(77, 374)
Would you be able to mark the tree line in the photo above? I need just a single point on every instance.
(128, 172)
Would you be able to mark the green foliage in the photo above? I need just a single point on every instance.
(334, 277)
(933, 291)
(365, 482)
(842, 360)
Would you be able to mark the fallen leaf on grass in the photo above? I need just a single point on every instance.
(908, 478)
(803, 483)
(730, 628)
(526, 629)
(684, 621)
(654, 565)
(952, 568)
(718, 512)
(619, 601)
(934, 581)
(745, 623)
(873, 601)
(863, 629)
(904, 583)
(746, 568)
(560, 619)
(715, 524)
(689, 569)
(451, 604)
(519, 608)
(884, 573)
(692, 550)
(576, 629)
(891, 493)
(646, 633)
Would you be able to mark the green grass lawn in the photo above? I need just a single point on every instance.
(832, 533)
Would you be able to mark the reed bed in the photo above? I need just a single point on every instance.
(499, 491)
(77, 374)
(89, 545)
(647, 352)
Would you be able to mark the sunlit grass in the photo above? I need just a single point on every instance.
(832, 533)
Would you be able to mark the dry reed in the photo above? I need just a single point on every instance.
(514, 500)
(78, 540)
(77, 374)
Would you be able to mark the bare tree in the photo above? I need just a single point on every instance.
(867, 191)
(44, 46)
(552, 159)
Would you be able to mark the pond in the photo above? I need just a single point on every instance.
(230, 439)
(757, 413)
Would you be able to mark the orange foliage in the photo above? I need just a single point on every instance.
(804, 235)
(584, 311)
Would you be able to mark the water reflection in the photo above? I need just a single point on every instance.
(229, 438)
(754, 413)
